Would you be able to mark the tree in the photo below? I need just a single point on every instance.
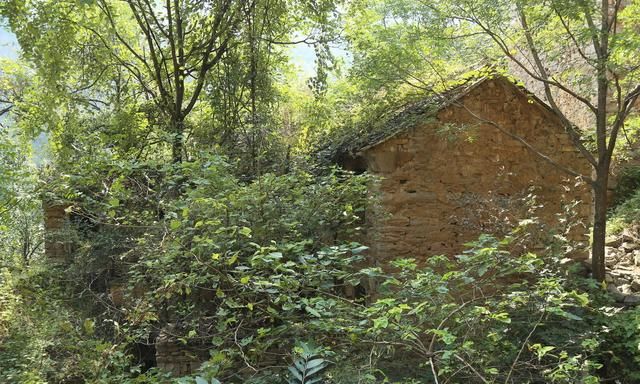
(159, 62)
(181, 41)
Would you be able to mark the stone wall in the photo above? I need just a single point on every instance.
(445, 182)
(576, 111)
(56, 248)
(171, 355)
(177, 358)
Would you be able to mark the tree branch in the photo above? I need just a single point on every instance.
(526, 144)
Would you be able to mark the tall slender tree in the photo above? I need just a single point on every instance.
(181, 41)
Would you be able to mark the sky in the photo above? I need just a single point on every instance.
(8, 44)
(302, 55)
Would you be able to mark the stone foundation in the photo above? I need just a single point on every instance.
(622, 261)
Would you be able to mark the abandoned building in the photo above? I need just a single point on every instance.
(167, 353)
(464, 162)
(451, 166)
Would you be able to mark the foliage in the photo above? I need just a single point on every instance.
(628, 182)
(621, 343)
(241, 268)
(401, 47)
(247, 265)
(626, 211)
(46, 341)
(308, 366)
(487, 316)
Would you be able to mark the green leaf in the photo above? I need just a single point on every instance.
(296, 373)
(314, 363)
(275, 256)
(89, 326)
(447, 337)
(245, 231)
(502, 317)
(541, 350)
(380, 323)
(312, 311)
(314, 370)
(233, 259)
(359, 249)
(314, 380)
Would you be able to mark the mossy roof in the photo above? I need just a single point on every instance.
(361, 138)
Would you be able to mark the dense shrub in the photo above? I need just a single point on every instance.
(625, 214)
(268, 278)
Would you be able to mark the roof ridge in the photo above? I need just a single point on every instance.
(406, 116)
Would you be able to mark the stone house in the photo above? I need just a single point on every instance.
(56, 249)
(456, 165)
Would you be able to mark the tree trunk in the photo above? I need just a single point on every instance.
(599, 222)
(604, 151)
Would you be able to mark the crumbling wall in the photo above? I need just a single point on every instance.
(446, 182)
(177, 358)
(171, 355)
(56, 248)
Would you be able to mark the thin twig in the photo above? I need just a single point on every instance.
(433, 371)
(472, 368)
(235, 340)
(524, 344)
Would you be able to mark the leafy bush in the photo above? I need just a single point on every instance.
(628, 184)
(47, 341)
(625, 208)
(308, 366)
(243, 269)
(624, 214)
(246, 270)
(485, 316)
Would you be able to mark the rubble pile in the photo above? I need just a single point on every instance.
(622, 261)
